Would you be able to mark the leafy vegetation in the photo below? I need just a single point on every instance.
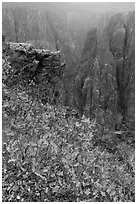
(49, 155)
(52, 152)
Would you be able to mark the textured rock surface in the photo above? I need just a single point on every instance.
(108, 59)
(122, 46)
(29, 66)
(96, 63)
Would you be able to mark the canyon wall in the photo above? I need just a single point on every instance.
(108, 59)
(98, 50)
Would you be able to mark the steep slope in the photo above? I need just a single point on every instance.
(98, 64)
(122, 45)
(32, 25)
(49, 30)
(107, 57)
(108, 60)
(47, 156)
(50, 153)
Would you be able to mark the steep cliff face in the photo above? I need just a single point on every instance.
(97, 63)
(105, 64)
(130, 54)
(39, 28)
(122, 42)
(25, 66)
(85, 67)
(108, 60)
(47, 29)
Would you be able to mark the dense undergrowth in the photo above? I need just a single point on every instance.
(50, 155)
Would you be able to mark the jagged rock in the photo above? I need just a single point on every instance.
(122, 46)
(108, 59)
(85, 66)
(97, 64)
(28, 65)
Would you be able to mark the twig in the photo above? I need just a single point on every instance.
(42, 177)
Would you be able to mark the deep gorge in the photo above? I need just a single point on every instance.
(105, 53)
(68, 102)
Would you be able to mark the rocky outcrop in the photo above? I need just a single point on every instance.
(103, 73)
(46, 29)
(28, 66)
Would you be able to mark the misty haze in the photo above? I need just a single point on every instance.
(68, 102)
